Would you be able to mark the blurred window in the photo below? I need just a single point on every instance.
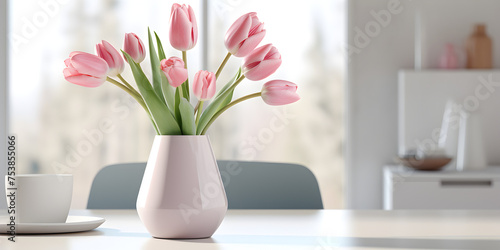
(66, 128)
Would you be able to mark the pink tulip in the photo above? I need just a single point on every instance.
(261, 62)
(134, 47)
(183, 28)
(107, 52)
(279, 92)
(174, 70)
(204, 85)
(85, 69)
(244, 35)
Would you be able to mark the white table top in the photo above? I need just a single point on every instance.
(290, 229)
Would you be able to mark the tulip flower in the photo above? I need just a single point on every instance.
(183, 27)
(85, 69)
(204, 85)
(279, 92)
(244, 35)
(261, 63)
(174, 70)
(115, 62)
(134, 47)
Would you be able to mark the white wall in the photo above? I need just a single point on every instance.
(372, 77)
(3, 96)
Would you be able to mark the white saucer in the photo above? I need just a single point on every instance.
(73, 224)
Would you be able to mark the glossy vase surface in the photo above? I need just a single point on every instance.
(182, 194)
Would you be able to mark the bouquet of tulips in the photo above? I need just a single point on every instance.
(166, 95)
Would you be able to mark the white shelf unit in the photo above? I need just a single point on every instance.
(422, 96)
(405, 188)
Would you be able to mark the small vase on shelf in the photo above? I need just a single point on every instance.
(479, 49)
(449, 60)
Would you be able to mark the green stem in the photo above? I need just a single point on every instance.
(200, 109)
(197, 106)
(216, 115)
(181, 93)
(221, 66)
(185, 85)
(137, 97)
(234, 84)
(127, 84)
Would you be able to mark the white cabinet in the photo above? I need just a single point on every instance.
(405, 188)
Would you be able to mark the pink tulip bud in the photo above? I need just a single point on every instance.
(183, 28)
(204, 85)
(85, 69)
(279, 92)
(261, 62)
(244, 35)
(174, 70)
(115, 61)
(134, 47)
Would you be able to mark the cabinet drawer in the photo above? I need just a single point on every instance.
(446, 194)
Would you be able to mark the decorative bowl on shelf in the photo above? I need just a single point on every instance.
(432, 163)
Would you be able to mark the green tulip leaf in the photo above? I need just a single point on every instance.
(163, 119)
(187, 115)
(161, 52)
(168, 93)
(176, 106)
(228, 84)
(155, 69)
(167, 89)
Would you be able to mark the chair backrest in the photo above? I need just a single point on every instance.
(249, 185)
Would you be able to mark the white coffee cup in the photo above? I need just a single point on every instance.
(39, 198)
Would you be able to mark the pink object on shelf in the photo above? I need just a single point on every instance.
(449, 60)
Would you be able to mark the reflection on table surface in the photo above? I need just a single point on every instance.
(290, 229)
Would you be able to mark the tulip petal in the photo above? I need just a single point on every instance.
(174, 70)
(67, 62)
(104, 54)
(237, 33)
(194, 31)
(275, 98)
(258, 54)
(70, 72)
(250, 44)
(279, 92)
(116, 57)
(182, 31)
(134, 47)
(263, 70)
(85, 80)
(76, 53)
(204, 85)
(89, 64)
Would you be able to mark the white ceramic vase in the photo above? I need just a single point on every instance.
(182, 194)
